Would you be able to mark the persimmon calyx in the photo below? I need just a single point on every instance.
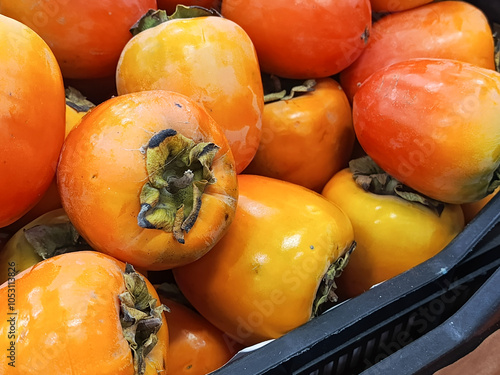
(77, 101)
(154, 17)
(495, 181)
(277, 88)
(179, 170)
(49, 240)
(326, 291)
(172, 292)
(371, 178)
(140, 318)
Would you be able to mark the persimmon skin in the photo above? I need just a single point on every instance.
(260, 280)
(68, 319)
(102, 170)
(210, 59)
(433, 125)
(196, 347)
(32, 107)
(392, 235)
(303, 39)
(50, 199)
(85, 36)
(396, 5)
(169, 5)
(448, 29)
(306, 139)
(472, 209)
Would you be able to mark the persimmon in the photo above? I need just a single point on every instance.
(306, 39)
(306, 138)
(472, 209)
(393, 232)
(275, 267)
(149, 178)
(85, 36)
(20, 248)
(81, 313)
(32, 108)
(433, 125)
(396, 5)
(76, 107)
(170, 5)
(196, 346)
(208, 58)
(446, 29)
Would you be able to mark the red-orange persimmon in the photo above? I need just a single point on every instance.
(303, 39)
(32, 118)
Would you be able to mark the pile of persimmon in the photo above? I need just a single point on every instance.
(182, 181)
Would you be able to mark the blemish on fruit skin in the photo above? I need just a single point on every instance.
(178, 105)
(311, 247)
(366, 35)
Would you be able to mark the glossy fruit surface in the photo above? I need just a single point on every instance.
(396, 5)
(392, 235)
(31, 118)
(303, 39)
(148, 178)
(196, 346)
(85, 36)
(260, 280)
(433, 125)
(169, 5)
(68, 319)
(210, 59)
(447, 29)
(306, 139)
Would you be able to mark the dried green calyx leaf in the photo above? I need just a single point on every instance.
(155, 17)
(173, 293)
(140, 318)
(495, 181)
(49, 240)
(178, 172)
(76, 100)
(277, 88)
(326, 291)
(370, 177)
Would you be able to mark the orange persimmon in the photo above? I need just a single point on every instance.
(208, 58)
(306, 139)
(149, 178)
(196, 347)
(76, 313)
(31, 116)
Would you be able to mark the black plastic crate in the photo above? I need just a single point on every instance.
(447, 343)
(360, 333)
